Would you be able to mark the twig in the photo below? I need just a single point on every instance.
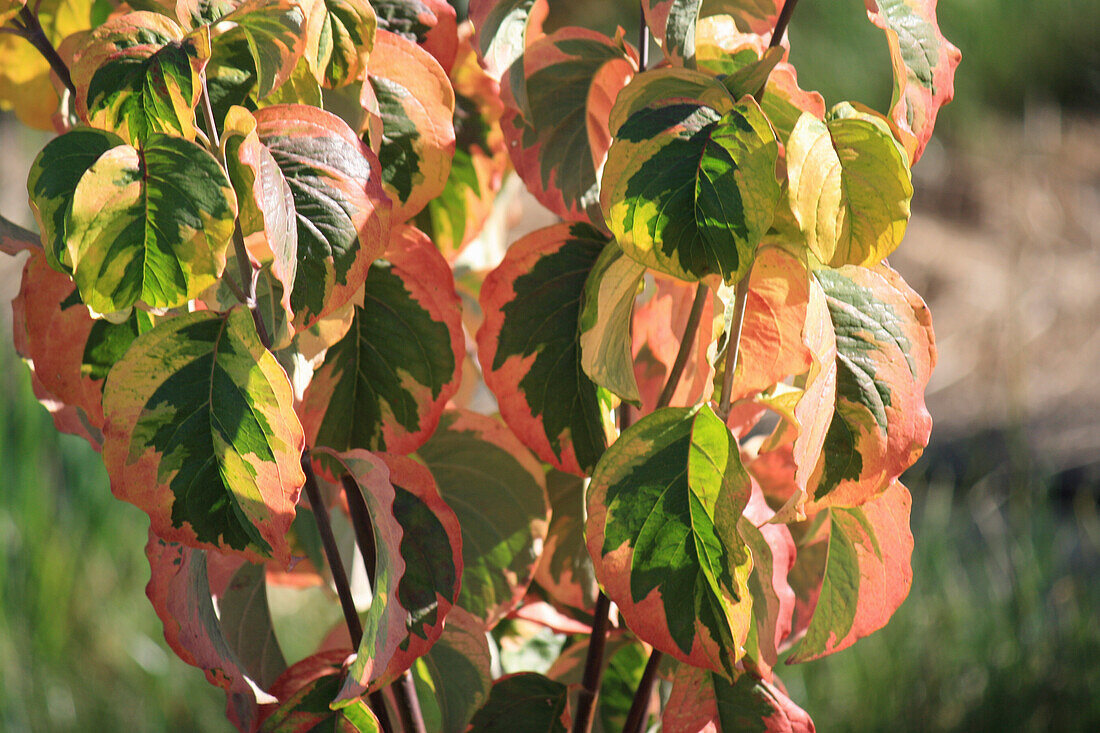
(15, 239)
(408, 704)
(701, 294)
(781, 24)
(593, 667)
(639, 708)
(733, 344)
(31, 29)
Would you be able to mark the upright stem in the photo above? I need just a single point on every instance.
(696, 314)
(733, 343)
(33, 32)
(408, 704)
(781, 24)
(643, 40)
(593, 667)
(639, 708)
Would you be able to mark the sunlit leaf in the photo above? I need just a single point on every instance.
(497, 489)
(454, 678)
(565, 569)
(304, 692)
(524, 703)
(502, 31)
(605, 322)
(529, 345)
(773, 554)
(273, 31)
(431, 24)
(385, 384)
(703, 701)
(663, 507)
(201, 434)
(339, 39)
(850, 186)
(673, 22)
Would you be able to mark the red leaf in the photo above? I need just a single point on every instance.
(702, 702)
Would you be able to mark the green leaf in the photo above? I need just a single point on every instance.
(497, 490)
(663, 507)
(339, 39)
(502, 31)
(341, 212)
(565, 569)
(702, 700)
(524, 703)
(867, 573)
(201, 434)
(559, 140)
(305, 692)
(691, 192)
(454, 678)
(150, 225)
(773, 553)
(52, 181)
(529, 345)
(850, 186)
(246, 621)
(605, 340)
(273, 32)
(385, 384)
(673, 22)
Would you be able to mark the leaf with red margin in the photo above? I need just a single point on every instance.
(432, 548)
(867, 573)
(663, 507)
(571, 80)
(659, 323)
(385, 384)
(201, 434)
(340, 35)
(885, 354)
(273, 31)
(431, 24)
(498, 491)
(460, 211)
(565, 569)
(674, 22)
(417, 103)
(529, 345)
(384, 621)
(524, 702)
(246, 623)
(179, 590)
(304, 692)
(703, 702)
(924, 67)
(502, 31)
(454, 678)
(342, 213)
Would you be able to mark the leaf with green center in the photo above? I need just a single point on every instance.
(417, 104)
(385, 384)
(201, 434)
(432, 548)
(341, 211)
(304, 693)
(867, 573)
(663, 507)
(454, 678)
(565, 569)
(924, 67)
(431, 24)
(339, 39)
(502, 31)
(137, 74)
(850, 186)
(703, 701)
(53, 179)
(246, 622)
(885, 356)
(497, 489)
(273, 32)
(560, 140)
(529, 345)
(384, 622)
(655, 87)
(605, 342)
(673, 22)
(691, 192)
(524, 703)
(179, 590)
(150, 225)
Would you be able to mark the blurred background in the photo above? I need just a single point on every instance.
(1001, 629)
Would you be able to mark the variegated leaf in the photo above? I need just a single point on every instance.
(663, 507)
(385, 384)
(524, 703)
(201, 434)
(885, 356)
(565, 569)
(690, 191)
(502, 31)
(304, 693)
(431, 24)
(497, 489)
(867, 573)
(341, 212)
(529, 345)
(924, 67)
(339, 39)
(150, 225)
(605, 322)
(454, 678)
(703, 701)
(850, 186)
(246, 623)
(673, 22)
(273, 31)
(559, 141)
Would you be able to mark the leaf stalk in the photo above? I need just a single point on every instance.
(733, 344)
(31, 29)
(690, 331)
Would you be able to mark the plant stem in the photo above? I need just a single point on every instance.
(33, 32)
(15, 239)
(408, 704)
(639, 709)
(781, 24)
(690, 329)
(593, 667)
(733, 344)
(643, 40)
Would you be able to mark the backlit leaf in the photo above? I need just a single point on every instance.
(339, 39)
(273, 31)
(673, 22)
(608, 304)
(304, 692)
(385, 384)
(246, 623)
(201, 434)
(924, 66)
(150, 225)
(417, 104)
(689, 191)
(431, 24)
(529, 345)
(565, 569)
(663, 507)
(850, 186)
(867, 573)
(524, 703)
(497, 489)
(341, 211)
(454, 678)
(502, 31)
(703, 701)
(571, 79)
(773, 554)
